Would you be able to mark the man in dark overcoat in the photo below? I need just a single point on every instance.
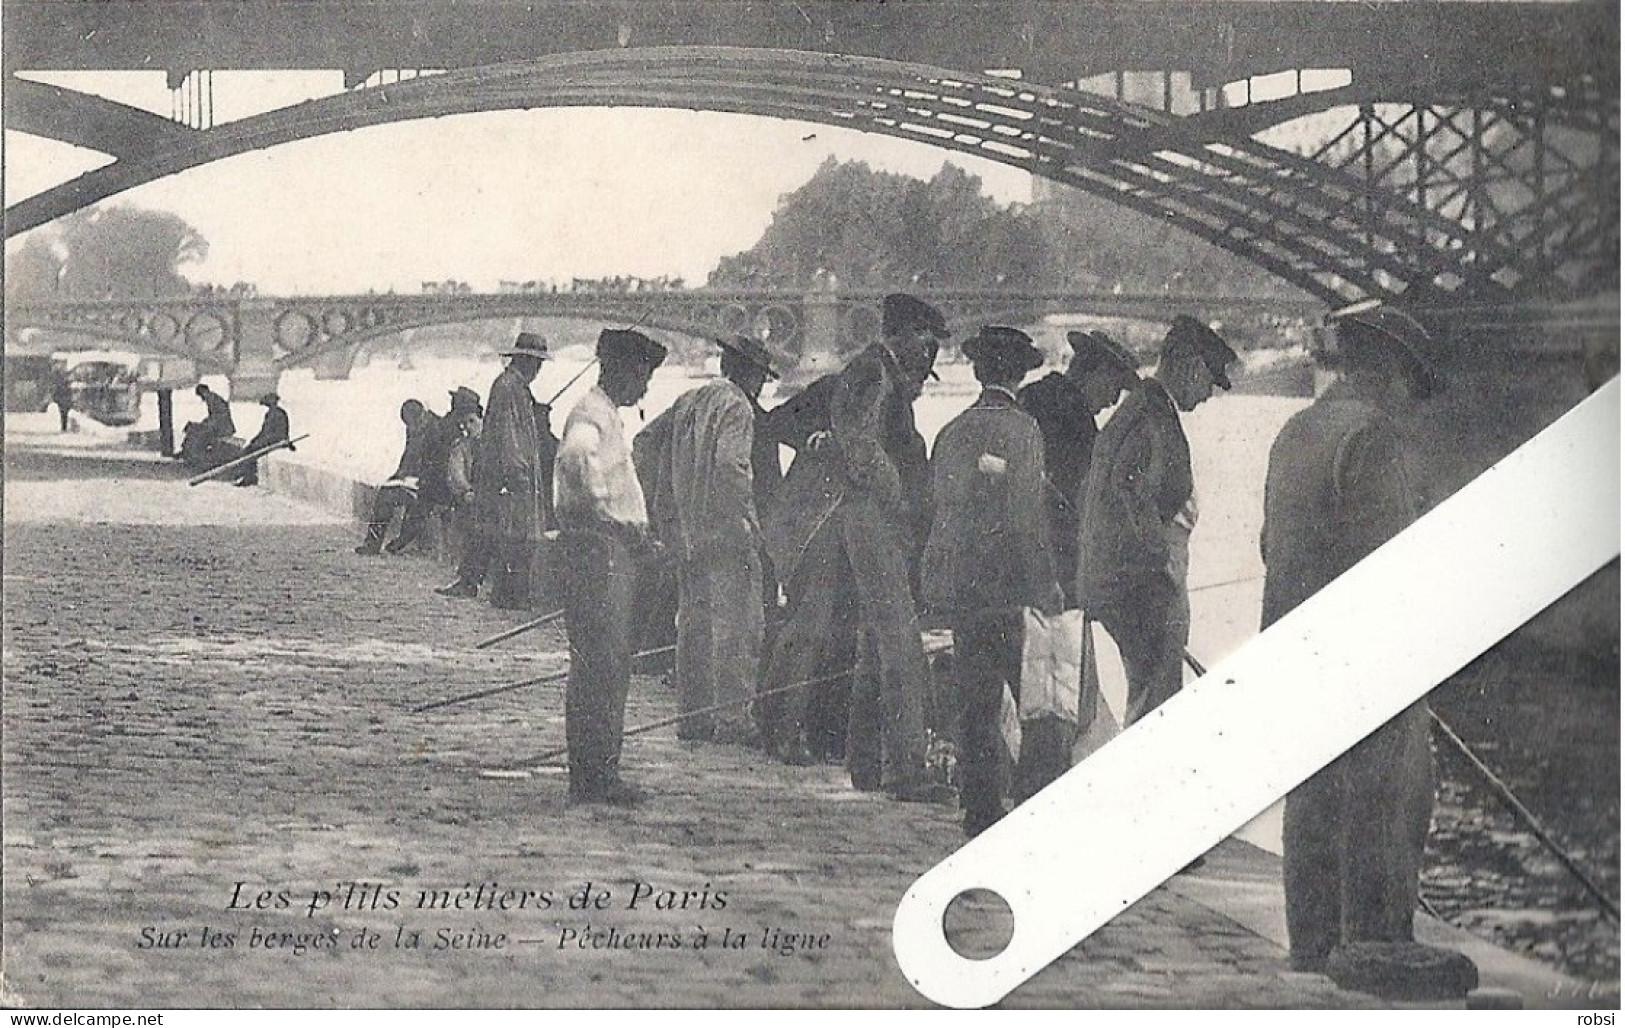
(1337, 489)
(508, 480)
(847, 520)
(1065, 405)
(988, 556)
(1137, 511)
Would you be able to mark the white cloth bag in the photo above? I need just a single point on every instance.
(1051, 664)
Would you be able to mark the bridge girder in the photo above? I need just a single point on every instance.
(1315, 221)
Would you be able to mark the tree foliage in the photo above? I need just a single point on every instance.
(875, 230)
(110, 253)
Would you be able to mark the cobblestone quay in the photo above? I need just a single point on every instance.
(216, 795)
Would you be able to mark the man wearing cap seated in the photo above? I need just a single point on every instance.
(403, 489)
(1338, 488)
(508, 480)
(274, 429)
(706, 500)
(846, 527)
(200, 439)
(604, 531)
(988, 556)
(1136, 514)
(1065, 405)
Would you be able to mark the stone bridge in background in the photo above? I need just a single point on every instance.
(253, 340)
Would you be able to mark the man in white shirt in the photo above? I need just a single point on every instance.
(603, 526)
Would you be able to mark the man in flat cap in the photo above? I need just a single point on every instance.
(848, 530)
(1337, 489)
(508, 479)
(1065, 405)
(273, 430)
(604, 530)
(1137, 511)
(704, 507)
(989, 556)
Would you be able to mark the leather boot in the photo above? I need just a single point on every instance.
(374, 541)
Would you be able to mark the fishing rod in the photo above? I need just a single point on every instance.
(1507, 797)
(511, 686)
(545, 619)
(215, 472)
(563, 751)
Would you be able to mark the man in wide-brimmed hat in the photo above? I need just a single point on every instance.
(508, 480)
(989, 556)
(604, 533)
(1137, 510)
(703, 506)
(846, 535)
(1337, 489)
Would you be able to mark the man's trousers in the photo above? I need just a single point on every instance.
(886, 725)
(599, 575)
(719, 641)
(1352, 841)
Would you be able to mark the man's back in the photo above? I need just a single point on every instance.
(711, 439)
(1337, 489)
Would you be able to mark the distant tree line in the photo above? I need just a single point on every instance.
(105, 253)
(858, 228)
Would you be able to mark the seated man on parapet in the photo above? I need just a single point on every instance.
(405, 485)
(273, 431)
(200, 439)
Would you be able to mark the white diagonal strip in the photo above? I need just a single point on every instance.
(1380, 637)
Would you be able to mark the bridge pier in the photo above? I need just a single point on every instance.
(256, 372)
(822, 339)
(337, 364)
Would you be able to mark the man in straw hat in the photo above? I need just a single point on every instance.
(1137, 510)
(846, 533)
(705, 497)
(1337, 489)
(603, 524)
(508, 479)
(988, 556)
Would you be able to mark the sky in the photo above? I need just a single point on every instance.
(481, 198)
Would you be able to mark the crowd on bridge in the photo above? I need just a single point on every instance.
(798, 601)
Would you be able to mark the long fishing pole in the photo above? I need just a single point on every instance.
(511, 686)
(545, 619)
(216, 472)
(1507, 797)
(562, 751)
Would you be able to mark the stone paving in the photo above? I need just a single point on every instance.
(208, 735)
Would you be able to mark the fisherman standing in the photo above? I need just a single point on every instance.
(1137, 511)
(603, 524)
(988, 556)
(847, 525)
(1337, 489)
(1065, 405)
(507, 475)
(718, 544)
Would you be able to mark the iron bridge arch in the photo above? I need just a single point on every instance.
(1334, 224)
